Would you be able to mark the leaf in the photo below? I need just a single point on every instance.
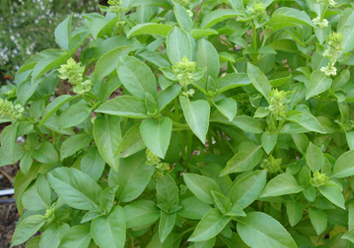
(109, 231)
(221, 202)
(52, 236)
(247, 190)
(197, 115)
(228, 107)
(131, 143)
(306, 120)
(27, 228)
(333, 194)
(167, 194)
(178, 45)
(109, 61)
(167, 223)
(204, 244)
(318, 220)
(183, 18)
(8, 137)
(210, 226)
(247, 157)
(314, 157)
(247, 123)
(288, 46)
(157, 135)
(207, 57)
(74, 115)
(149, 28)
(319, 83)
(199, 33)
(133, 177)
(77, 236)
(141, 213)
(107, 135)
(74, 144)
(136, 77)
(62, 32)
(26, 89)
(283, 184)
(52, 107)
(262, 231)
(156, 58)
(343, 166)
(107, 198)
(201, 186)
(232, 81)
(37, 196)
(76, 188)
(193, 208)
(285, 17)
(259, 80)
(92, 163)
(127, 106)
(46, 154)
(167, 95)
(217, 16)
(294, 211)
(269, 141)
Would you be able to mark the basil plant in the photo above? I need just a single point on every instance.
(189, 123)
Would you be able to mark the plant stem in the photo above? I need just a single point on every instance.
(39, 132)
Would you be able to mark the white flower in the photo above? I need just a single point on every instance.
(328, 71)
(322, 24)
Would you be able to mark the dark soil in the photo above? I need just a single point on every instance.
(8, 211)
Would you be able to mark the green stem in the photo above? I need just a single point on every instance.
(39, 132)
(255, 44)
(189, 146)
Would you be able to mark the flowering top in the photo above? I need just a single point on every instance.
(319, 179)
(322, 24)
(73, 72)
(184, 70)
(7, 108)
(276, 99)
(334, 42)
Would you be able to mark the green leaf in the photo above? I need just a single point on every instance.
(136, 77)
(157, 135)
(133, 177)
(306, 120)
(349, 235)
(78, 236)
(74, 115)
(156, 58)
(52, 107)
(269, 141)
(62, 32)
(46, 154)
(262, 231)
(344, 166)
(193, 208)
(217, 16)
(288, 46)
(8, 137)
(183, 18)
(107, 198)
(221, 201)
(285, 17)
(319, 83)
(141, 213)
(314, 157)
(197, 115)
(247, 157)
(26, 89)
(149, 28)
(178, 45)
(207, 57)
(301, 141)
(228, 107)
(37, 196)
(247, 190)
(204, 244)
(127, 106)
(318, 220)
(52, 236)
(167, 223)
(294, 211)
(107, 134)
(333, 194)
(76, 188)
(109, 231)
(27, 228)
(74, 144)
(131, 143)
(167, 194)
(199, 33)
(232, 81)
(109, 61)
(201, 186)
(283, 184)
(166, 96)
(247, 123)
(235, 210)
(210, 226)
(93, 164)
(259, 80)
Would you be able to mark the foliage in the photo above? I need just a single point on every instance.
(234, 128)
(27, 27)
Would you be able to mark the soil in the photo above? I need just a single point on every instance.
(8, 211)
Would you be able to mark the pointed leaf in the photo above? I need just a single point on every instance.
(167, 223)
(319, 83)
(77, 236)
(150, 28)
(228, 107)
(141, 213)
(259, 80)
(27, 228)
(269, 141)
(217, 16)
(193, 208)
(178, 45)
(283, 184)
(131, 143)
(344, 166)
(318, 220)
(333, 194)
(314, 157)
(207, 57)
